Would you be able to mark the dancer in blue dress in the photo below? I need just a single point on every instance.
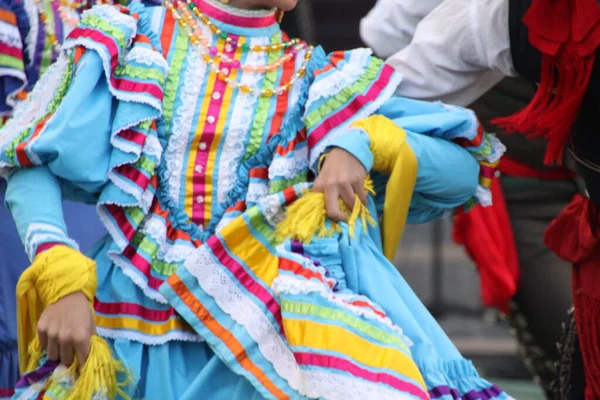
(254, 189)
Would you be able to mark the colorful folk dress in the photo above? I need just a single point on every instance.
(197, 129)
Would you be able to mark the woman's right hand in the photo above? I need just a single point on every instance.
(65, 329)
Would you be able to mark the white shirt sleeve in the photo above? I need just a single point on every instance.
(460, 50)
(390, 25)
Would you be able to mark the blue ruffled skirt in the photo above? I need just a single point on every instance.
(187, 368)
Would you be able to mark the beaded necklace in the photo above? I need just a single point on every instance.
(210, 54)
(193, 29)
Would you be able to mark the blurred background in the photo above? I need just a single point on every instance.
(438, 270)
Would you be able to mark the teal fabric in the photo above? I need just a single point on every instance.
(447, 177)
(357, 263)
(355, 142)
(34, 195)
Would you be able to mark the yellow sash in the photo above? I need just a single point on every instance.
(392, 155)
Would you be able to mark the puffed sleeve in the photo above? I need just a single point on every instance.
(87, 129)
(459, 51)
(455, 158)
(457, 125)
(447, 177)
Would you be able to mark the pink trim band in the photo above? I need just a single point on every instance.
(360, 101)
(134, 310)
(47, 246)
(227, 18)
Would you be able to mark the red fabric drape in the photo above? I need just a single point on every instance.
(487, 236)
(573, 237)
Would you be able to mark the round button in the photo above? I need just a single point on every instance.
(216, 95)
(198, 169)
(228, 48)
(202, 146)
(200, 226)
(199, 199)
(225, 71)
(210, 119)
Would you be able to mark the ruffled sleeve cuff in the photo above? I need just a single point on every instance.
(488, 155)
(454, 124)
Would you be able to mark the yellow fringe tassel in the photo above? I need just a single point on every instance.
(307, 218)
(53, 275)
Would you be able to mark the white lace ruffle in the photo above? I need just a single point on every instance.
(217, 284)
(347, 73)
(240, 123)
(129, 147)
(498, 149)
(272, 208)
(289, 167)
(291, 285)
(147, 200)
(124, 185)
(257, 191)
(113, 16)
(29, 111)
(147, 57)
(385, 95)
(116, 334)
(34, 25)
(152, 147)
(483, 196)
(183, 116)
(171, 253)
(346, 387)
(35, 228)
(40, 233)
(9, 35)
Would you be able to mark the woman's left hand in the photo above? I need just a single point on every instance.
(342, 176)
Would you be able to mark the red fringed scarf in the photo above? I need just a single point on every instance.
(567, 33)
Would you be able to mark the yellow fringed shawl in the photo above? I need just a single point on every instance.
(53, 275)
